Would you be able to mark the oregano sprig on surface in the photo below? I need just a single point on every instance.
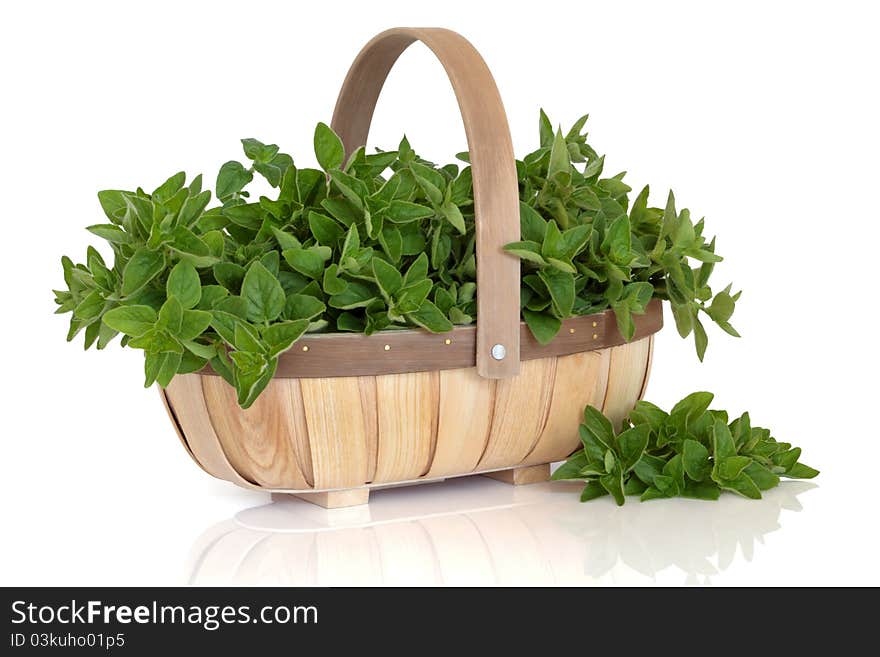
(689, 452)
(374, 242)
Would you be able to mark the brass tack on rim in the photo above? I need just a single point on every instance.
(387, 347)
(595, 336)
(595, 324)
(571, 330)
(305, 347)
(447, 341)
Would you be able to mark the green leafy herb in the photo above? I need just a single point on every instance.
(600, 251)
(689, 452)
(371, 242)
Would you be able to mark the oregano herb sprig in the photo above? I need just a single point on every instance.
(689, 452)
(585, 249)
(377, 242)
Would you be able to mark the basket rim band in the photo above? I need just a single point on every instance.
(328, 355)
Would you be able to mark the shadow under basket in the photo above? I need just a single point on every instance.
(347, 412)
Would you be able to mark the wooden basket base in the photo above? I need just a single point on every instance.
(339, 499)
(530, 474)
(334, 499)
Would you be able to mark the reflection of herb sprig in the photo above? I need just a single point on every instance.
(374, 242)
(689, 452)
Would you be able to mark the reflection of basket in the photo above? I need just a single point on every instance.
(474, 533)
(346, 412)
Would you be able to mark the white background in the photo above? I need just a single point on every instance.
(762, 116)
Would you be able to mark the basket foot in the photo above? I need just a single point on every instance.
(334, 499)
(530, 474)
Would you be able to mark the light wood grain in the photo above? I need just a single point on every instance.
(647, 367)
(521, 407)
(465, 414)
(580, 379)
(337, 431)
(187, 399)
(626, 378)
(407, 424)
(258, 441)
(496, 192)
(530, 474)
(333, 499)
(176, 423)
(367, 387)
(301, 450)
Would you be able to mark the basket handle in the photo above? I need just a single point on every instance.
(496, 192)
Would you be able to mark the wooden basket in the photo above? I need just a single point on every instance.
(348, 412)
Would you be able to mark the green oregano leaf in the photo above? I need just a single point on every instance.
(131, 320)
(263, 293)
(231, 179)
(328, 148)
(183, 283)
(543, 326)
(144, 265)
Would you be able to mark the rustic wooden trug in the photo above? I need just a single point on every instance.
(346, 413)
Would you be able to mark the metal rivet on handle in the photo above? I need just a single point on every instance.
(499, 352)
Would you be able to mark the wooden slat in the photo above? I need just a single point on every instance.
(259, 441)
(337, 431)
(187, 400)
(626, 376)
(521, 406)
(301, 449)
(367, 386)
(177, 429)
(647, 367)
(580, 379)
(465, 413)
(407, 412)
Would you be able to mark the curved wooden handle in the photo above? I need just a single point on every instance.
(496, 193)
